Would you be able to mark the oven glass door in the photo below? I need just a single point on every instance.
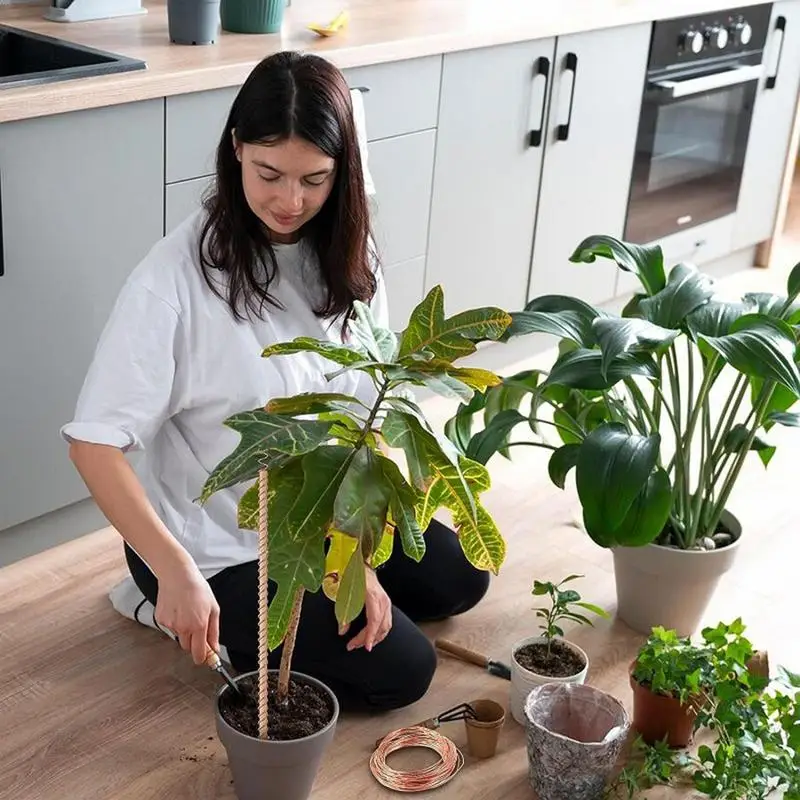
(690, 152)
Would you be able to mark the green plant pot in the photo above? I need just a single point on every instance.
(252, 16)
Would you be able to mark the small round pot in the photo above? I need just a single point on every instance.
(483, 732)
(659, 717)
(288, 768)
(659, 585)
(523, 681)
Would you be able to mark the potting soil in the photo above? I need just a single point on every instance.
(562, 663)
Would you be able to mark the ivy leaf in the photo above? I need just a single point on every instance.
(686, 290)
(339, 354)
(261, 436)
(454, 337)
(362, 501)
(352, 590)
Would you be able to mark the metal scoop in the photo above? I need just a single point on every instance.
(214, 661)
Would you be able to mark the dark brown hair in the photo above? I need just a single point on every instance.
(289, 94)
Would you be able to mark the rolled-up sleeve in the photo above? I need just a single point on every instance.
(128, 390)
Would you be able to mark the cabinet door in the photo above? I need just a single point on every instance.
(82, 202)
(591, 136)
(183, 199)
(486, 175)
(402, 169)
(771, 128)
(404, 284)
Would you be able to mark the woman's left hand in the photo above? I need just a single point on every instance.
(378, 608)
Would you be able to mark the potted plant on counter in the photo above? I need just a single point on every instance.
(317, 475)
(549, 657)
(656, 410)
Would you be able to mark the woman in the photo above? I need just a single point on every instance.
(279, 250)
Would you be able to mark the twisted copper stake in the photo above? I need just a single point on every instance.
(263, 607)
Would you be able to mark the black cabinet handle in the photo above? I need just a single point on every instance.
(780, 25)
(570, 65)
(541, 67)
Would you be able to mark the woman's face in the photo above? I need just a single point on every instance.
(285, 183)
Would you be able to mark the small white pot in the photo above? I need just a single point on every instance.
(523, 681)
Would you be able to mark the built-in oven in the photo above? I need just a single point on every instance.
(702, 77)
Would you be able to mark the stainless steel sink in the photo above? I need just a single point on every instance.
(30, 58)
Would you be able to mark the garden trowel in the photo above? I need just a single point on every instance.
(215, 662)
(497, 668)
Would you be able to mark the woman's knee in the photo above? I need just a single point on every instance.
(403, 677)
(472, 588)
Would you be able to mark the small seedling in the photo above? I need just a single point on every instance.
(563, 603)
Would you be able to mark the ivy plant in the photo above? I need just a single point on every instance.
(336, 500)
(657, 408)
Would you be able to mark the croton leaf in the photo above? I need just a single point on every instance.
(474, 377)
(759, 346)
(644, 261)
(402, 506)
(561, 462)
(341, 547)
(314, 403)
(262, 437)
(686, 290)
(380, 343)
(613, 466)
(617, 335)
(452, 338)
(383, 552)
(438, 381)
(583, 369)
(362, 501)
(339, 354)
(352, 590)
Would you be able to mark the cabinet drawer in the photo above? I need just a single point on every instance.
(194, 123)
(404, 290)
(402, 169)
(403, 96)
(183, 199)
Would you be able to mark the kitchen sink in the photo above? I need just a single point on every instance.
(30, 58)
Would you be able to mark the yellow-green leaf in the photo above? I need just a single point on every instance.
(340, 550)
(314, 403)
(384, 550)
(352, 590)
(404, 501)
(248, 509)
(339, 354)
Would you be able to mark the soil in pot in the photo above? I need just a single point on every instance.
(307, 711)
(561, 662)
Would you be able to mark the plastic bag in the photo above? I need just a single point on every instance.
(575, 735)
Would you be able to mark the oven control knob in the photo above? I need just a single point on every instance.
(717, 37)
(692, 41)
(742, 32)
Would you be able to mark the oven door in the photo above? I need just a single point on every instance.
(690, 150)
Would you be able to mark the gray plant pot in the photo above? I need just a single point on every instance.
(193, 22)
(662, 586)
(275, 770)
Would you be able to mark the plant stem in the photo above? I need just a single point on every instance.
(532, 444)
(722, 427)
(680, 493)
(559, 426)
(288, 648)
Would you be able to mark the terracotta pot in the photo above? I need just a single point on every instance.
(523, 681)
(663, 586)
(288, 768)
(659, 716)
(483, 733)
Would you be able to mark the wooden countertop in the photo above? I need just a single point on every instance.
(379, 31)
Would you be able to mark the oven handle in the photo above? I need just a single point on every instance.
(719, 80)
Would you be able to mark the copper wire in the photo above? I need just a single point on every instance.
(449, 764)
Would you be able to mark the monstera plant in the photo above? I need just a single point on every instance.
(656, 410)
(337, 502)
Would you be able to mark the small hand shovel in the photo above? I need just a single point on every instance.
(497, 668)
(214, 661)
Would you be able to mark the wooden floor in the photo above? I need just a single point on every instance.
(95, 707)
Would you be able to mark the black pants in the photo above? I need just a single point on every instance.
(399, 669)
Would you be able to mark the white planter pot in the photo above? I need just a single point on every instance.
(523, 681)
(663, 586)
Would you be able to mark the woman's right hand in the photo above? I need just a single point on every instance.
(187, 606)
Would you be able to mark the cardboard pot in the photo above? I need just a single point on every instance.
(659, 585)
(275, 770)
(483, 733)
(523, 681)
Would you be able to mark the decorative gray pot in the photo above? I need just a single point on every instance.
(275, 770)
(193, 22)
(663, 586)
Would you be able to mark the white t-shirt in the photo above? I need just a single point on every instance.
(173, 363)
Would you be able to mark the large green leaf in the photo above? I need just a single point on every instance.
(458, 429)
(437, 381)
(759, 346)
(402, 505)
(362, 501)
(506, 397)
(686, 290)
(561, 315)
(715, 318)
(339, 354)
(352, 590)
(613, 467)
(583, 369)
(789, 419)
(617, 335)
(314, 403)
(262, 436)
(793, 282)
(300, 516)
(645, 261)
(494, 436)
(648, 513)
(451, 338)
(474, 377)
(780, 401)
(380, 343)
(737, 437)
(561, 462)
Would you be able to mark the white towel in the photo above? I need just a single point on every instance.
(360, 119)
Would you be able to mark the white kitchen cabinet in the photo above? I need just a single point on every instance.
(771, 127)
(486, 174)
(404, 289)
(590, 138)
(82, 203)
(182, 199)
